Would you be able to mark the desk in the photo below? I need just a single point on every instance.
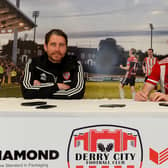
(80, 134)
(78, 107)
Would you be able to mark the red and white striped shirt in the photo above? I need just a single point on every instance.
(160, 73)
(149, 63)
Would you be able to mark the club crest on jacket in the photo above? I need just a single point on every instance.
(66, 75)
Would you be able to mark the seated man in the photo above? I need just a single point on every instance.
(159, 73)
(54, 74)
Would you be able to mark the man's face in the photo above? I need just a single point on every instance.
(56, 48)
(150, 53)
(130, 53)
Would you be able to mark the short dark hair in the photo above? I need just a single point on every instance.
(151, 49)
(58, 32)
(133, 51)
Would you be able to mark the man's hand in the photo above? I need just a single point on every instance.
(63, 86)
(157, 96)
(141, 96)
(125, 67)
(36, 83)
(121, 66)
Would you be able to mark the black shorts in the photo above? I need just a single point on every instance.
(130, 81)
(14, 79)
(1, 76)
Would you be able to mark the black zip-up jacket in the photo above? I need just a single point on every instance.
(69, 71)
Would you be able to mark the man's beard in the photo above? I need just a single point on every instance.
(56, 55)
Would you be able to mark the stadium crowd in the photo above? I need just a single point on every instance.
(9, 72)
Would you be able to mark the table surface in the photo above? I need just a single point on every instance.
(84, 107)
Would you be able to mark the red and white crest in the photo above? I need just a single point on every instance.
(66, 75)
(105, 146)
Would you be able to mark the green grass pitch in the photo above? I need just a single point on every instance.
(107, 90)
(94, 90)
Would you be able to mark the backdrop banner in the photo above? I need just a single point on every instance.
(50, 141)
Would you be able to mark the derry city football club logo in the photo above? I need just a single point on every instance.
(105, 146)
